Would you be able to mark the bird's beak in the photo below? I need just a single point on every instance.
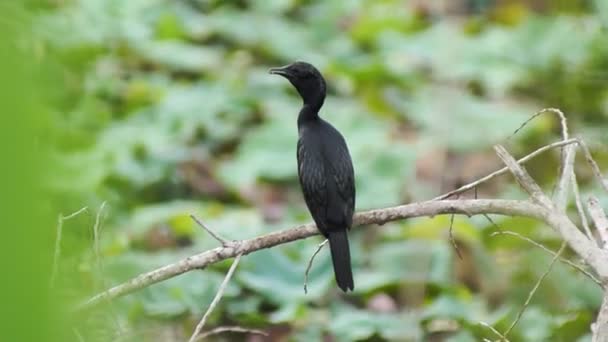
(283, 71)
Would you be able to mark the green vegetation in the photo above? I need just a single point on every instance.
(164, 108)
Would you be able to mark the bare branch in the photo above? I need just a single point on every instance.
(452, 240)
(310, 264)
(96, 228)
(598, 329)
(599, 219)
(216, 299)
(586, 249)
(564, 260)
(580, 209)
(560, 115)
(558, 219)
(596, 169)
(213, 234)
(220, 330)
(535, 288)
(522, 177)
(57, 254)
(560, 197)
(496, 332)
(505, 169)
(378, 216)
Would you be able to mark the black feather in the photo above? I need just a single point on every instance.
(325, 169)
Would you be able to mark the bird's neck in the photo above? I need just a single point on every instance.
(308, 114)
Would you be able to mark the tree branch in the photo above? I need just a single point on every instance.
(534, 289)
(505, 169)
(557, 219)
(58, 236)
(213, 234)
(378, 216)
(523, 178)
(599, 219)
(598, 329)
(312, 258)
(220, 330)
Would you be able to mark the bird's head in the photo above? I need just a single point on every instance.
(307, 80)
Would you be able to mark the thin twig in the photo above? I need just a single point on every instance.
(496, 332)
(96, 229)
(523, 178)
(310, 264)
(559, 113)
(492, 222)
(565, 178)
(596, 169)
(506, 169)
(544, 248)
(58, 237)
(599, 219)
(216, 299)
(580, 209)
(213, 234)
(535, 288)
(452, 240)
(98, 263)
(220, 330)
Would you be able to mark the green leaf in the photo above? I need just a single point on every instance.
(280, 280)
(393, 263)
(350, 324)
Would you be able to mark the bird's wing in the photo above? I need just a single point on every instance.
(341, 172)
(311, 170)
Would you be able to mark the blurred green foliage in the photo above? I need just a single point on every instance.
(164, 108)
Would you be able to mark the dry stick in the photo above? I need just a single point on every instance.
(559, 113)
(220, 330)
(598, 327)
(566, 170)
(506, 169)
(567, 158)
(378, 216)
(558, 219)
(98, 264)
(216, 299)
(599, 219)
(213, 234)
(530, 186)
(310, 264)
(498, 333)
(581, 209)
(560, 197)
(452, 240)
(535, 288)
(523, 178)
(564, 260)
(596, 169)
(58, 237)
(96, 226)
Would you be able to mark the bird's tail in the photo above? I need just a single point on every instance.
(340, 255)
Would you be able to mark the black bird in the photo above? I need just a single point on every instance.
(325, 168)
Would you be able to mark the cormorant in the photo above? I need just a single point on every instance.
(325, 168)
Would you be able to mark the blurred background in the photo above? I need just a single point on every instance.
(164, 108)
